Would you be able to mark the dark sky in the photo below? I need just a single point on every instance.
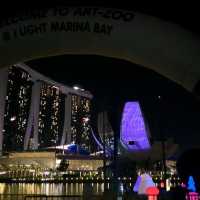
(116, 81)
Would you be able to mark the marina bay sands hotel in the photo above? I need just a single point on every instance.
(37, 112)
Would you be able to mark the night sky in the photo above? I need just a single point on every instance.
(115, 81)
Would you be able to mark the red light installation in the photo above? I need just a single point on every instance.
(152, 193)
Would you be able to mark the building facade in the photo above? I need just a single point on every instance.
(18, 100)
(50, 116)
(81, 127)
(36, 117)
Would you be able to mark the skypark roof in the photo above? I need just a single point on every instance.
(63, 88)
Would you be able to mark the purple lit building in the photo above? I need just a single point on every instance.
(134, 135)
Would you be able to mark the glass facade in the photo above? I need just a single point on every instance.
(18, 101)
(81, 127)
(50, 116)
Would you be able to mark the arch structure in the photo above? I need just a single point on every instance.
(159, 45)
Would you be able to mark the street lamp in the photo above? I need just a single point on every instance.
(13, 118)
(76, 88)
(162, 141)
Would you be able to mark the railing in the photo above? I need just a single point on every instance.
(84, 197)
(12, 196)
(54, 197)
(49, 197)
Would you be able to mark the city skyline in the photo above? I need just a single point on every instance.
(158, 95)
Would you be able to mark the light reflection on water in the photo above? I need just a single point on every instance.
(51, 188)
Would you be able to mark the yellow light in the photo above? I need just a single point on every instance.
(168, 185)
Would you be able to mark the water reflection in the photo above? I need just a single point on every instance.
(50, 188)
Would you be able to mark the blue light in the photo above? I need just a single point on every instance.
(191, 184)
(137, 184)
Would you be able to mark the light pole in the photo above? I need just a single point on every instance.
(104, 151)
(102, 108)
(161, 132)
(117, 112)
